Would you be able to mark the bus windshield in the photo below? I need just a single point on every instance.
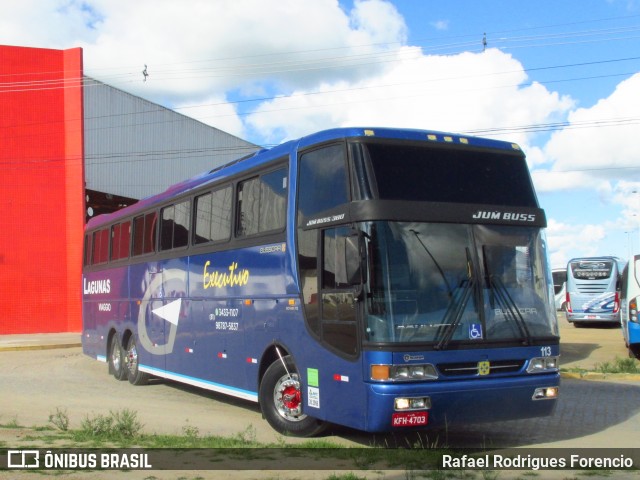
(440, 284)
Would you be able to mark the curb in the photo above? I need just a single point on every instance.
(633, 377)
(17, 348)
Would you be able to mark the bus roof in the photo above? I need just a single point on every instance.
(267, 155)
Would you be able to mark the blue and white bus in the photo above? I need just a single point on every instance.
(376, 278)
(593, 290)
(629, 299)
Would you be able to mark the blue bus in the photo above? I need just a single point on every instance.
(629, 298)
(593, 290)
(380, 279)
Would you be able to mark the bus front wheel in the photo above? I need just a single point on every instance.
(281, 401)
(136, 377)
(117, 359)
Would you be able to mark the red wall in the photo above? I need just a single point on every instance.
(41, 190)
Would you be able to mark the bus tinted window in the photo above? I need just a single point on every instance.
(144, 234)
(100, 246)
(273, 200)
(213, 216)
(421, 173)
(175, 226)
(262, 203)
(87, 250)
(323, 180)
(120, 240)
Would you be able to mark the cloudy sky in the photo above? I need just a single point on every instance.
(559, 77)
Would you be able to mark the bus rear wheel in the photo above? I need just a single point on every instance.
(281, 401)
(136, 377)
(117, 359)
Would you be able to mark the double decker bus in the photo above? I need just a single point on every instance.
(593, 290)
(381, 279)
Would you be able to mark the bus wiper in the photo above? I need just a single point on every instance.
(510, 309)
(454, 312)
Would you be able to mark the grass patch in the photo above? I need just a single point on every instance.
(120, 427)
(619, 365)
(13, 423)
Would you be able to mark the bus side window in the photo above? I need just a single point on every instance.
(262, 203)
(87, 250)
(100, 247)
(174, 232)
(213, 216)
(120, 240)
(322, 185)
(338, 298)
(144, 234)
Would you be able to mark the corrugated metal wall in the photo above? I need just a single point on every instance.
(136, 148)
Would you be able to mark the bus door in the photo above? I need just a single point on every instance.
(339, 375)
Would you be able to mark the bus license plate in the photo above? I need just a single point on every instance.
(409, 419)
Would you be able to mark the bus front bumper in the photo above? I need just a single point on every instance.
(456, 402)
(593, 317)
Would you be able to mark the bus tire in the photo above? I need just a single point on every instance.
(117, 366)
(281, 401)
(136, 377)
(634, 350)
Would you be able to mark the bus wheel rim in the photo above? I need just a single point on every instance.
(132, 358)
(288, 398)
(115, 356)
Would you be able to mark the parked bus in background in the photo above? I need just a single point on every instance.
(593, 290)
(560, 287)
(629, 298)
(375, 278)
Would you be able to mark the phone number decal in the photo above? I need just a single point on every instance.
(233, 326)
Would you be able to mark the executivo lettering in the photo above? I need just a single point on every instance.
(225, 279)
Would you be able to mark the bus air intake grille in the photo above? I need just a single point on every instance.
(472, 368)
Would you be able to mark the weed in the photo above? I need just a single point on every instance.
(13, 423)
(345, 476)
(248, 436)
(119, 426)
(191, 432)
(59, 419)
(619, 365)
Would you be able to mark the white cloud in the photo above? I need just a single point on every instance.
(55, 24)
(215, 111)
(461, 92)
(193, 48)
(568, 241)
(601, 141)
(440, 24)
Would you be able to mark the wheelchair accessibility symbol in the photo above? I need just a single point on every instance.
(475, 331)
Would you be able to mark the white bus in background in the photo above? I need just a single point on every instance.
(560, 287)
(593, 290)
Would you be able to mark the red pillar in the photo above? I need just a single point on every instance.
(41, 189)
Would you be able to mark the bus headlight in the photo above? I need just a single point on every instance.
(543, 364)
(416, 403)
(545, 393)
(404, 373)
